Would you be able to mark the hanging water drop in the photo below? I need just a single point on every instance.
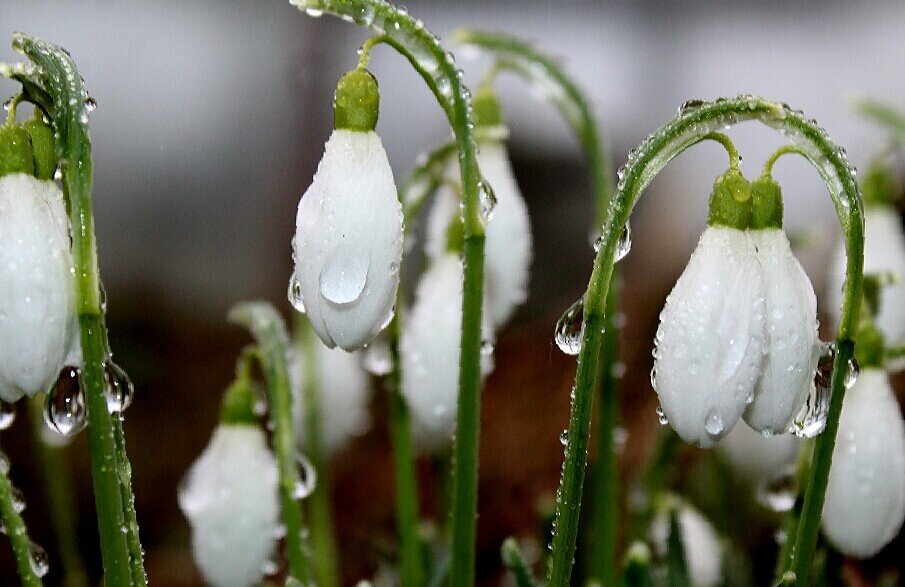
(18, 499)
(564, 437)
(295, 294)
(851, 375)
(778, 494)
(118, 388)
(90, 104)
(570, 329)
(307, 478)
(486, 347)
(486, 200)
(811, 419)
(40, 562)
(624, 244)
(65, 411)
(377, 359)
(713, 423)
(661, 417)
(7, 414)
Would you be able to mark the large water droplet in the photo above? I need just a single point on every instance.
(811, 419)
(570, 329)
(343, 280)
(623, 245)
(65, 411)
(564, 437)
(40, 562)
(307, 478)
(851, 374)
(295, 294)
(7, 414)
(778, 494)
(713, 423)
(486, 200)
(90, 104)
(118, 388)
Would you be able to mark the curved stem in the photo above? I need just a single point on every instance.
(692, 124)
(269, 332)
(438, 70)
(323, 542)
(14, 527)
(11, 108)
(62, 95)
(540, 70)
(784, 150)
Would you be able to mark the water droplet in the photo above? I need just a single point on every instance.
(570, 329)
(811, 419)
(713, 423)
(661, 416)
(307, 478)
(314, 12)
(103, 296)
(40, 562)
(343, 280)
(295, 294)
(65, 411)
(118, 388)
(486, 348)
(564, 437)
(689, 105)
(778, 494)
(7, 414)
(486, 200)
(377, 359)
(851, 375)
(90, 104)
(18, 499)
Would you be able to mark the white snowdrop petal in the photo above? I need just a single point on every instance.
(865, 497)
(348, 241)
(430, 351)
(792, 353)
(38, 326)
(703, 552)
(711, 339)
(230, 498)
(344, 396)
(508, 247)
(756, 458)
(884, 252)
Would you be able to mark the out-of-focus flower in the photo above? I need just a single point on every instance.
(865, 496)
(430, 350)
(230, 498)
(756, 458)
(348, 240)
(343, 394)
(38, 323)
(703, 552)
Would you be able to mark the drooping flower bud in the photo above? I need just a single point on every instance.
(508, 246)
(230, 498)
(712, 336)
(791, 313)
(865, 495)
(38, 329)
(343, 394)
(431, 348)
(348, 240)
(703, 552)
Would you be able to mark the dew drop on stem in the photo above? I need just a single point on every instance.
(570, 329)
(307, 478)
(7, 414)
(623, 245)
(486, 200)
(118, 388)
(40, 562)
(65, 411)
(811, 419)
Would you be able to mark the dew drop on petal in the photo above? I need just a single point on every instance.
(661, 416)
(65, 411)
(295, 294)
(343, 280)
(713, 423)
(570, 329)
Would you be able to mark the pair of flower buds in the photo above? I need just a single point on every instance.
(348, 250)
(38, 322)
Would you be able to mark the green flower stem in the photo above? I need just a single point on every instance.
(57, 480)
(521, 58)
(411, 571)
(793, 518)
(54, 84)
(14, 527)
(694, 121)
(515, 563)
(438, 70)
(324, 556)
(136, 553)
(269, 332)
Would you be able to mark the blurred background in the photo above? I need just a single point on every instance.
(211, 119)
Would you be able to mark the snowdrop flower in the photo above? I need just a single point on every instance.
(703, 552)
(791, 313)
(343, 394)
(508, 245)
(711, 340)
(230, 498)
(348, 240)
(38, 323)
(865, 497)
(430, 351)
(757, 459)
